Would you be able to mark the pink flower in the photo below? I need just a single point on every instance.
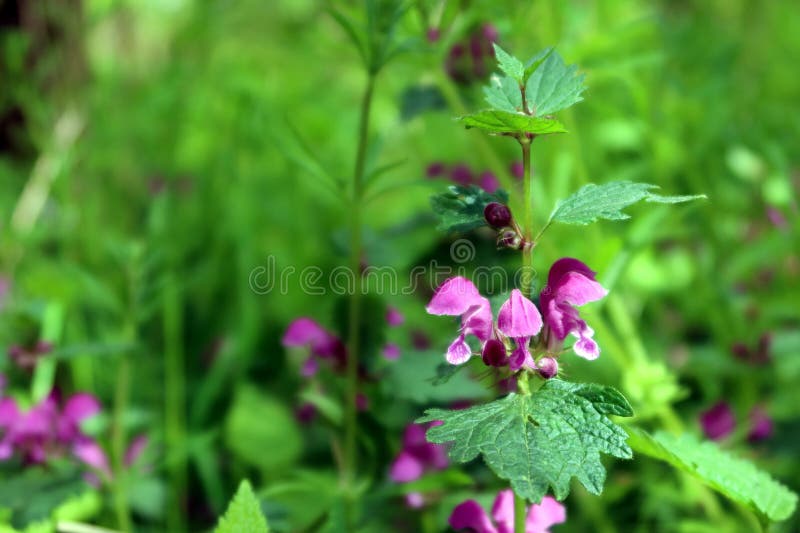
(394, 317)
(417, 456)
(470, 515)
(459, 297)
(488, 182)
(718, 422)
(760, 424)
(323, 345)
(391, 351)
(570, 283)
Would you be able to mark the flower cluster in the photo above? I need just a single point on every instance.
(470, 515)
(472, 59)
(508, 342)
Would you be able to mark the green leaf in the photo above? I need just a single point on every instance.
(416, 377)
(247, 435)
(552, 85)
(536, 61)
(499, 121)
(503, 94)
(593, 202)
(510, 65)
(244, 513)
(540, 440)
(460, 209)
(739, 480)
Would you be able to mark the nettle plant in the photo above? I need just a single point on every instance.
(551, 430)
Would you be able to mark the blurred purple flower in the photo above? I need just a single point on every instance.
(517, 169)
(394, 317)
(540, 517)
(27, 357)
(420, 340)
(435, 170)
(776, 218)
(718, 422)
(461, 174)
(323, 345)
(391, 351)
(488, 182)
(760, 424)
(432, 35)
(570, 283)
(305, 413)
(417, 455)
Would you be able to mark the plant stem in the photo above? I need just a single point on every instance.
(351, 427)
(527, 228)
(175, 396)
(519, 514)
(118, 438)
(527, 278)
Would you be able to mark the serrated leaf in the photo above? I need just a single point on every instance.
(503, 94)
(460, 209)
(536, 61)
(540, 440)
(593, 202)
(552, 86)
(499, 121)
(509, 64)
(736, 478)
(243, 514)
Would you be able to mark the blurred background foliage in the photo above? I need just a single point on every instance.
(156, 152)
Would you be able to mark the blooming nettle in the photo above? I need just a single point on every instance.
(470, 515)
(570, 283)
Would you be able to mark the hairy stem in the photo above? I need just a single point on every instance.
(353, 348)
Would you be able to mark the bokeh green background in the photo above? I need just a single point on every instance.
(156, 152)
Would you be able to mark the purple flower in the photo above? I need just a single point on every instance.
(520, 320)
(435, 170)
(718, 422)
(417, 456)
(391, 351)
(44, 430)
(470, 515)
(394, 317)
(570, 283)
(323, 345)
(517, 169)
(461, 174)
(488, 182)
(760, 424)
(459, 297)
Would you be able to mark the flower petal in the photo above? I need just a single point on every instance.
(454, 297)
(405, 468)
(577, 289)
(80, 407)
(545, 514)
(521, 356)
(518, 316)
(459, 352)
(718, 422)
(586, 346)
(478, 320)
(470, 514)
(89, 452)
(503, 511)
(394, 317)
(304, 331)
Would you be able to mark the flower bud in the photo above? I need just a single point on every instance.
(494, 353)
(497, 215)
(548, 367)
(509, 238)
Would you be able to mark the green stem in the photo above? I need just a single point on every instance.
(527, 278)
(527, 228)
(353, 348)
(118, 439)
(519, 514)
(175, 396)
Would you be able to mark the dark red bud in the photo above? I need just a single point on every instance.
(494, 353)
(548, 367)
(497, 215)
